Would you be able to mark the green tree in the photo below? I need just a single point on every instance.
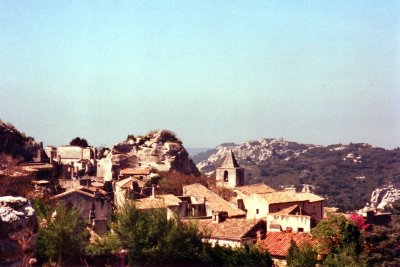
(345, 257)
(77, 141)
(62, 234)
(336, 232)
(305, 256)
(151, 238)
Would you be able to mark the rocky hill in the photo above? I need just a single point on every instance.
(161, 150)
(16, 143)
(345, 174)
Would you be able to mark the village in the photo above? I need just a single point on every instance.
(254, 214)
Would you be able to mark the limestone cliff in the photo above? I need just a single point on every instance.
(160, 150)
(18, 231)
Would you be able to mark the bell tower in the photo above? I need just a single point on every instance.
(230, 174)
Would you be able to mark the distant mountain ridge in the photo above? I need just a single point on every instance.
(345, 174)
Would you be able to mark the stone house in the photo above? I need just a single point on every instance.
(244, 192)
(128, 188)
(167, 202)
(201, 201)
(234, 232)
(93, 204)
(259, 205)
(292, 219)
(73, 161)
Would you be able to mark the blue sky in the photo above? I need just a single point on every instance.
(318, 72)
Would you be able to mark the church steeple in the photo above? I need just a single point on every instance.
(230, 161)
(230, 174)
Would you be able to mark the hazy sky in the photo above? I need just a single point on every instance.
(216, 71)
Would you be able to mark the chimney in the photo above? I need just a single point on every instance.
(92, 213)
(219, 216)
(153, 191)
(183, 209)
(290, 189)
(260, 235)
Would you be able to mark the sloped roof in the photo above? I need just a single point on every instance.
(289, 196)
(292, 210)
(255, 189)
(135, 171)
(213, 201)
(127, 182)
(278, 243)
(87, 191)
(230, 161)
(73, 192)
(231, 228)
(159, 201)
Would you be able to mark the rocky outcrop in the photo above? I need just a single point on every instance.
(16, 143)
(383, 198)
(160, 150)
(18, 231)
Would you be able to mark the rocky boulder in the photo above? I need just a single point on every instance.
(384, 197)
(18, 231)
(160, 150)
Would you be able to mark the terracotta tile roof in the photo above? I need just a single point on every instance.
(255, 189)
(127, 182)
(278, 243)
(231, 228)
(136, 171)
(289, 196)
(159, 202)
(230, 161)
(213, 201)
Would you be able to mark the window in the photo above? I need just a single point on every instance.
(225, 176)
(300, 229)
(257, 211)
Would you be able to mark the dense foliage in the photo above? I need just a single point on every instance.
(305, 256)
(383, 242)
(77, 141)
(62, 233)
(151, 239)
(340, 239)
